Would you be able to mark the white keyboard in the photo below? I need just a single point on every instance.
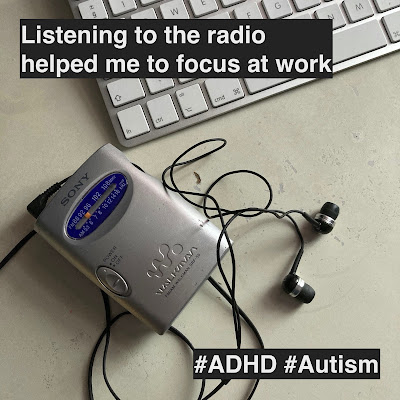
(145, 109)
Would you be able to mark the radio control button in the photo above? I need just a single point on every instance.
(113, 281)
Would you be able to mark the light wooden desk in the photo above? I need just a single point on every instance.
(335, 140)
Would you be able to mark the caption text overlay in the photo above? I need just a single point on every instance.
(195, 48)
(286, 363)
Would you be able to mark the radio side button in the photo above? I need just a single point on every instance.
(113, 281)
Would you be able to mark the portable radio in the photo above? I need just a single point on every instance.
(142, 244)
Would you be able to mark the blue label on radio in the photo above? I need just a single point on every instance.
(96, 206)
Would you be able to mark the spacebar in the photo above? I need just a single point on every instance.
(357, 40)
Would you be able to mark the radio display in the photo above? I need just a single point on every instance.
(96, 206)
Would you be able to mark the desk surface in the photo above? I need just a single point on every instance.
(334, 140)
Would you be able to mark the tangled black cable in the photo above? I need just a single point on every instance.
(230, 296)
(248, 212)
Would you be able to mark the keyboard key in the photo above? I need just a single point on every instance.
(223, 15)
(93, 9)
(384, 5)
(255, 85)
(125, 90)
(203, 7)
(357, 40)
(162, 111)
(277, 8)
(392, 26)
(223, 91)
(119, 7)
(304, 4)
(184, 80)
(175, 9)
(303, 16)
(191, 101)
(228, 3)
(156, 85)
(358, 9)
(146, 14)
(133, 122)
(126, 98)
(248, 11)
(147, 2)
(331, 12)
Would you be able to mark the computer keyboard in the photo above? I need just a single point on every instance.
(145, 109)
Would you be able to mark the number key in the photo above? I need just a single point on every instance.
(119, 7)
(93, 9)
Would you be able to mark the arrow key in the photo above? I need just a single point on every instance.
(125, 90)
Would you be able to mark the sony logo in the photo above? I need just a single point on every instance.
(74, 190)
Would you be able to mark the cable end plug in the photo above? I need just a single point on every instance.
(38, 205)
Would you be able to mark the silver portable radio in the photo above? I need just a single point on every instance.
(143, 245)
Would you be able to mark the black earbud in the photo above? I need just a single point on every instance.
(294, 286)
(324, 221)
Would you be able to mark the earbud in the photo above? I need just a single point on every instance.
(324, 221)
(296, 287)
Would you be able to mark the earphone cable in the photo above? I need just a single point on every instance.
(17, 248)
(221, 213)
(107, 310)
